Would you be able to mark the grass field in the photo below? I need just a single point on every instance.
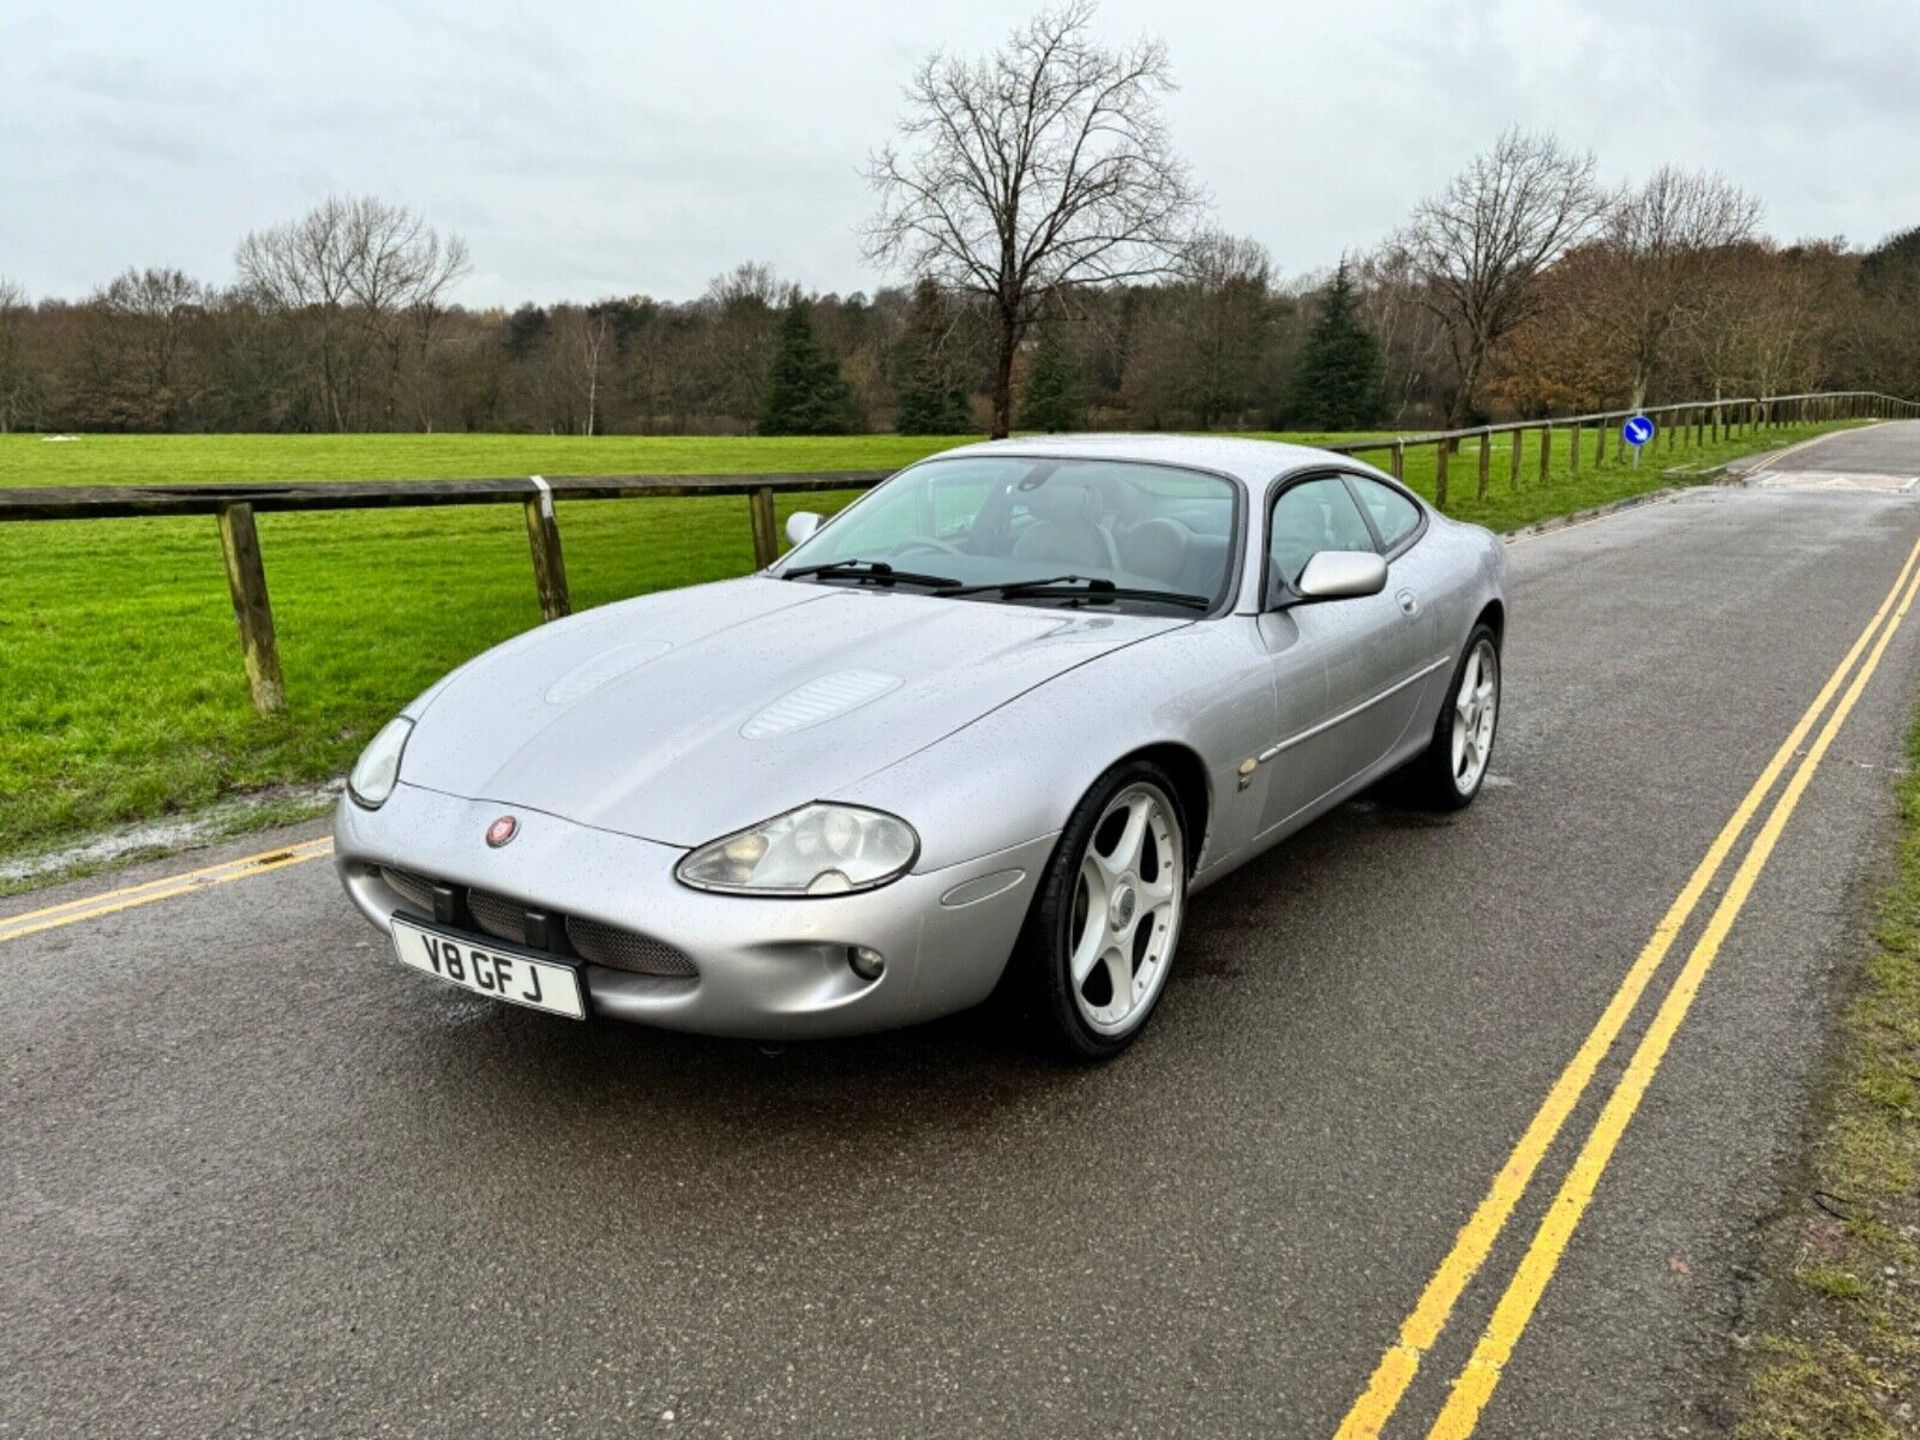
(121, 691)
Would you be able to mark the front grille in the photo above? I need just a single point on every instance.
(624, 950)
(416, 890)
(591, 940)
(500, 917)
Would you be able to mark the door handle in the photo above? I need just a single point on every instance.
(1408, 601)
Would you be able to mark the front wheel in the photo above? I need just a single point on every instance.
(1450, 772)
(1100, 939)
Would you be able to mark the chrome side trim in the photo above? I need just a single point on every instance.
(1345, 715)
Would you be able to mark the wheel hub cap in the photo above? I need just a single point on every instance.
(1122, 908)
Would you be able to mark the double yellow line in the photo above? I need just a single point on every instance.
(15, 927)
(1418, 1333)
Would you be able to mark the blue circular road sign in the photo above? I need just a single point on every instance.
(1637, 431)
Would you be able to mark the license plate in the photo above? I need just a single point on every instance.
(497, 974)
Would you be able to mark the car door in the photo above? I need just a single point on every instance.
(1345, 670)
(1418, 585)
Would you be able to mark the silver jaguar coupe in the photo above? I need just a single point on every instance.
(989, 728)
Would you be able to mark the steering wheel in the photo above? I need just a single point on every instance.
(910, 547)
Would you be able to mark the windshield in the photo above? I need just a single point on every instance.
(1003, 520)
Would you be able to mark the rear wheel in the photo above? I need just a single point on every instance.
(1450, 772)
(1100, 939)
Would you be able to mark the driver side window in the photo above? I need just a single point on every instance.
(1312, 516)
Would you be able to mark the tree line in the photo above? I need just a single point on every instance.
(1059, 273)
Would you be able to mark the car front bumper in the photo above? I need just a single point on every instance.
(765, 968)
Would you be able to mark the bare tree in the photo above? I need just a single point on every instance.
(586, 333)
(1030, 172)
(16, 368)
(1756, 323)
(1480, 244)
(1202, 346)
(300, 271)
(150, 311)
(726, 372)
(1666, 239)
(1412, 338)
(354, 269)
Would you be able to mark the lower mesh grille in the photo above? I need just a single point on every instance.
(624, 950)
(416, 890)
(500, 917)
(595, 942)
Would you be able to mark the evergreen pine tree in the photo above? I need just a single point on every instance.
(1051, 398)
(932, 402)
(1336, 382)
(805, 394)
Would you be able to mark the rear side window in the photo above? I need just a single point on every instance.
(1394, 516)
(1312, 516)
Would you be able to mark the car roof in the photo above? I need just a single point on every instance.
(1252, 462)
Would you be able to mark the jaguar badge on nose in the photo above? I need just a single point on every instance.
(502, 830)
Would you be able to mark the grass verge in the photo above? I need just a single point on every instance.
(121, 692)
(1837, 1353)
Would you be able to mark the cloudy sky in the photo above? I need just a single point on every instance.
(586, 149)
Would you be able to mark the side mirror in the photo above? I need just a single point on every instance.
(1342, 575)
(801, 525)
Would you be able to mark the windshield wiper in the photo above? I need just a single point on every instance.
(877, 571)
(1070, 587)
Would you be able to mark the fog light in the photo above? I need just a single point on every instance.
(867, 964)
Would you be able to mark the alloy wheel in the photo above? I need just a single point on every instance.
(1126, 910)
(1476, 708)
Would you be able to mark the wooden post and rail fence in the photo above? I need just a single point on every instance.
(234, 506)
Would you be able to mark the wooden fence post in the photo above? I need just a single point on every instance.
(1513, 460)
(1546, 451)
(766, 540)
(1440, 452)
(247, 583)
(1397, 463)
(1486, 461)
(1573, 449)
(549, 564)
(1599, 444)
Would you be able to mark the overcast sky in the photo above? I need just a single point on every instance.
(588, 149)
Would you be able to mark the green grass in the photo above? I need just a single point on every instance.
(1838, 1353)
(121, 692)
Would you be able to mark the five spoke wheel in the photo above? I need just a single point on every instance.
(1476, 705)
(1126, 908)
(1100, 939)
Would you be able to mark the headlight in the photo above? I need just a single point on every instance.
(377, 770)
(815, 850)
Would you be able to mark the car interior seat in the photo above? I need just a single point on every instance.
(1066, 529)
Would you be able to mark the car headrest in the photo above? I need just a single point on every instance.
(1156, 548)
(1062, 501)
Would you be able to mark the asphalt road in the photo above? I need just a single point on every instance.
(261, 1180)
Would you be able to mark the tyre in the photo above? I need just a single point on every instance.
(1099, 941)
(1450, 772)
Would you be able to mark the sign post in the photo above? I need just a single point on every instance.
(1637, 431)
